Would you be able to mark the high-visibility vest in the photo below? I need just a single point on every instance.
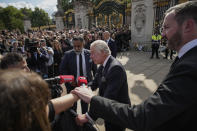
(158, 37)
(154, 37)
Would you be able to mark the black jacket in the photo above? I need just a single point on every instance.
(173, 106)
(112, 83)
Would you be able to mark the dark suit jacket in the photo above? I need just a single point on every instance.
(68, 66)
(112, 83)
(112, 47)
(172, 107)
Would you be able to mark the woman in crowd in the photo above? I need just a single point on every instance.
(23, 99)
(58, 53)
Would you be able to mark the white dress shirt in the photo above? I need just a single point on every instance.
(83, 65)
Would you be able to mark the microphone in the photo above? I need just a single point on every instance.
(82, 81)
(60, 79)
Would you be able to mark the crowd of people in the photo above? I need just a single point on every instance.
(44, 49)
(24, 95)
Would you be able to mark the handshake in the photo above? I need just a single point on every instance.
(85, 94)
(82, 91)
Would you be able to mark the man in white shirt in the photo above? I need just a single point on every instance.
(77, 62)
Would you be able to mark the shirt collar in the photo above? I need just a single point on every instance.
(108, 40)
(187, 47)
(105, 62)
(82, 52)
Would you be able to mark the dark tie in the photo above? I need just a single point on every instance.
(101, 69)
(80, 65)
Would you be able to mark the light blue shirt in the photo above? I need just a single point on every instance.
(107, 41)
(187, 47)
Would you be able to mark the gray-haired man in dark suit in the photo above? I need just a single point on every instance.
(110, 78)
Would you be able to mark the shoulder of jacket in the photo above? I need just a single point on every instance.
(115, 63)
(69, 52)
(112, 39)
(86, 51)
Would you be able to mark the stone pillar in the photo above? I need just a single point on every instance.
(59, 23)
(142, 21)
(59, 17)
(81, 14)
(27, 25)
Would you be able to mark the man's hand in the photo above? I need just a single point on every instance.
(81, 119)
(84, 93)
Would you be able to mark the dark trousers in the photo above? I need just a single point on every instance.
(51, 71)
(155, 48)
(56, 70)
(112, 127)
(167, 52)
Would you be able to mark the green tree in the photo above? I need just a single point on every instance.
(66, 4)
(26, 12)
(2, 26)
(11, 18)
(39, 18)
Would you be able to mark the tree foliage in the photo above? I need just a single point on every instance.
(2, 26)
(66, 4)
(26, 12)
(12, 18)
(39, 18)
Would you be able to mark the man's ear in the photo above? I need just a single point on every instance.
(188, 25)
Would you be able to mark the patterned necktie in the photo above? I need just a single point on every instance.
(80, 65)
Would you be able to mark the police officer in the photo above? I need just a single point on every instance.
(156, 39)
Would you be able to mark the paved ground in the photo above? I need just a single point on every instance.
(143, 74)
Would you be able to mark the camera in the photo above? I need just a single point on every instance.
(31, 46)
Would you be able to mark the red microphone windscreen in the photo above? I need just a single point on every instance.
(82, 80)
(66, 78)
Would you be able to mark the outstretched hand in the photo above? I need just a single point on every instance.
(83, 93)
